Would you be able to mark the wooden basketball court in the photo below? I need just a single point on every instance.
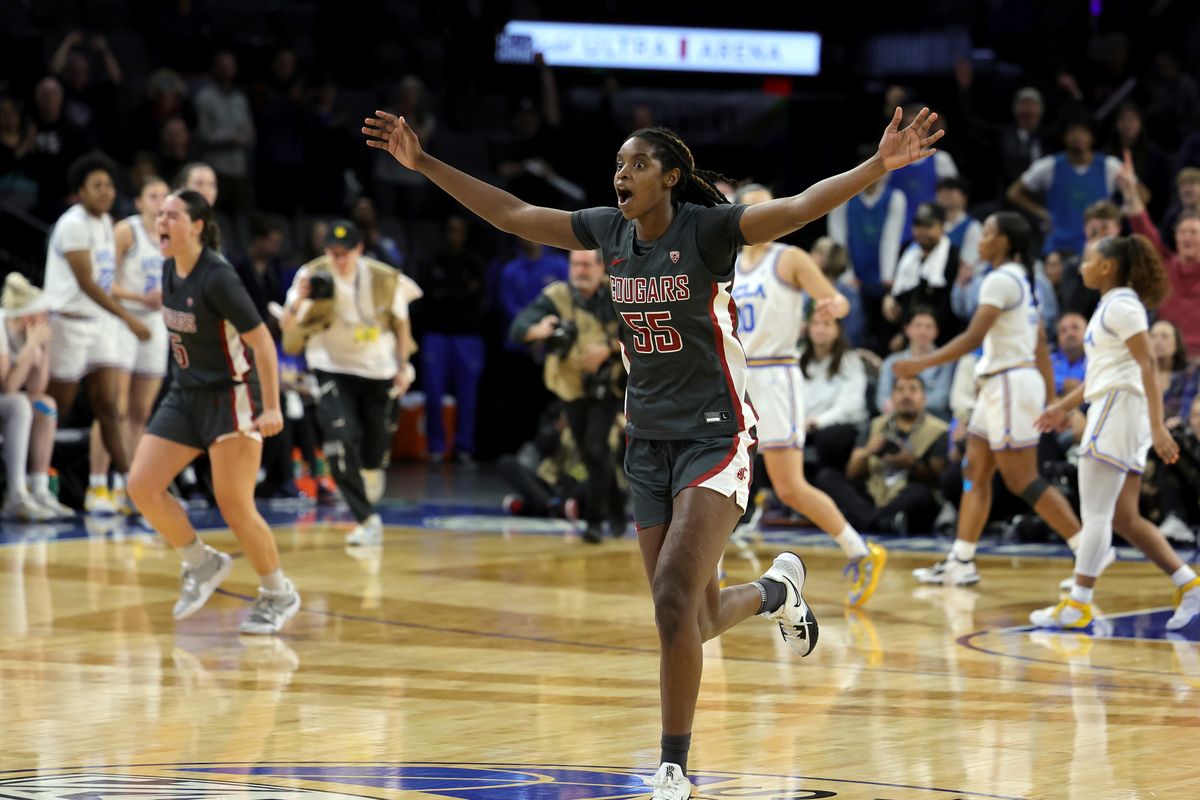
(485, 665)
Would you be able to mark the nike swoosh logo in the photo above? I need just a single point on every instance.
(616, 261)
(794, 589)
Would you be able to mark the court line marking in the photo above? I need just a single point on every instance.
(632, 771)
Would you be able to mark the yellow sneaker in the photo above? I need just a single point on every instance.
(1187, 605)
(121, 502)
(1068, 614)
(99, 500)
(865, 574)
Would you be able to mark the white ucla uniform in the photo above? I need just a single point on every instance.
(1118, 422)
(84, 336)
(770, 317)
(1012, 393)
(141, 272)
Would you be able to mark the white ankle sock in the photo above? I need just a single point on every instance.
(1074, 543)
(851, 543)
(97, 480)
(274, 581)
(1082, 594)
(119, 479)
(39, 483)
(193, 554)
(963, 551)
(1183, 576)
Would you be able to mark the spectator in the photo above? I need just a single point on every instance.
(452, 350)
(225, 131)
(918, 181)
(1175, 484)
(1101, 220)
(1183, 267)
(1069, 182)
(16, 140)
(1176, 376)
(88, 103)
(325, 133)
(375, 244)
(962, 229)
(174, 147)
(523, 278)
(834, 262)
(401, 191)
(314, 240)
(834, 389)
(30, 415)
(261, 270)
(166, 99)
(1068, 359)
(921, 331)
(57, 142)
(280, 121)
(1149, 160)
(926, 272)
(887, 485)
(1187, 187)
(870, 226)
(1174, 107)
(1022, 143)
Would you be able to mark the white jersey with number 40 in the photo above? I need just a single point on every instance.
(770, 309)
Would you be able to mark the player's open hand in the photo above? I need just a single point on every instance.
(1165, 445)
(1052, 420)
(138, 327)
(906, 368)
(391, 133)
(899, 148)
(270, 422)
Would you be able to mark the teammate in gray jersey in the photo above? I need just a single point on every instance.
(670, 246)
(220, 350)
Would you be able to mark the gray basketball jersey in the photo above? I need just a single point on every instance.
(687, 369)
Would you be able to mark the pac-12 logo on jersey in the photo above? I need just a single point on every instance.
(674, 256)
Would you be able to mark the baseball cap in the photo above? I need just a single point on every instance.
(929, 214)
(343, 233)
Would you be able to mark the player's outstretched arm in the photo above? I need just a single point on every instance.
(766, 222)
(550, 226)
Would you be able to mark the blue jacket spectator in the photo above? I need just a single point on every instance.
(523, 279)
(1068, 359)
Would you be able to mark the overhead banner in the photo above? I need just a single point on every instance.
(569, 44)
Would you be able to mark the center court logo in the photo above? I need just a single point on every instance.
(414, 780)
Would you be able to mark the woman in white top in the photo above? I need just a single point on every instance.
(1015, 380)
(769, 288)
(1124, 419)
(138, 287)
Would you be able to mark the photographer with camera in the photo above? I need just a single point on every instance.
(888, 484)
(577, 325)
(348, 314)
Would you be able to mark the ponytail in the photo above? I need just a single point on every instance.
(200, 211)
(1015, 228)
(1139, 267)
(695, 185)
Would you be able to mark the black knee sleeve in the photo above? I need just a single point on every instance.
(1034, 491)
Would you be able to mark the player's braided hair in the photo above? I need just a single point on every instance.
(1016, 229)
(695, 185)
(1138, 266)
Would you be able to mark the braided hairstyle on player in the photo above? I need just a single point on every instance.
(1016, 229)
(695, 185)
(1138, 267)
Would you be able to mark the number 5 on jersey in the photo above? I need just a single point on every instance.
(179, 351)
(651, 333)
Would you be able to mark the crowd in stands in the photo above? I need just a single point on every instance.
(1082, 154)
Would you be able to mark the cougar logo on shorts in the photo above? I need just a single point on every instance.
(741, 474)
(674, 256)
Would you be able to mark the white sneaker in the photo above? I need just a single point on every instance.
(1176, 530)
(272, 610)
(796, 621)
(949, 572)
(23, 507)
(366, 533)
(669, 783)
(99, 500)
(375, 482)
(1187, 605)
(1066, 583)
(197, 584)
(48, 501)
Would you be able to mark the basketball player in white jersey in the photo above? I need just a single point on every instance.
(769, 287)
(1124, 419)
(1015, 382)
(138, 287)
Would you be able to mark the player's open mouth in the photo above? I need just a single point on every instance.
(623, 196)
